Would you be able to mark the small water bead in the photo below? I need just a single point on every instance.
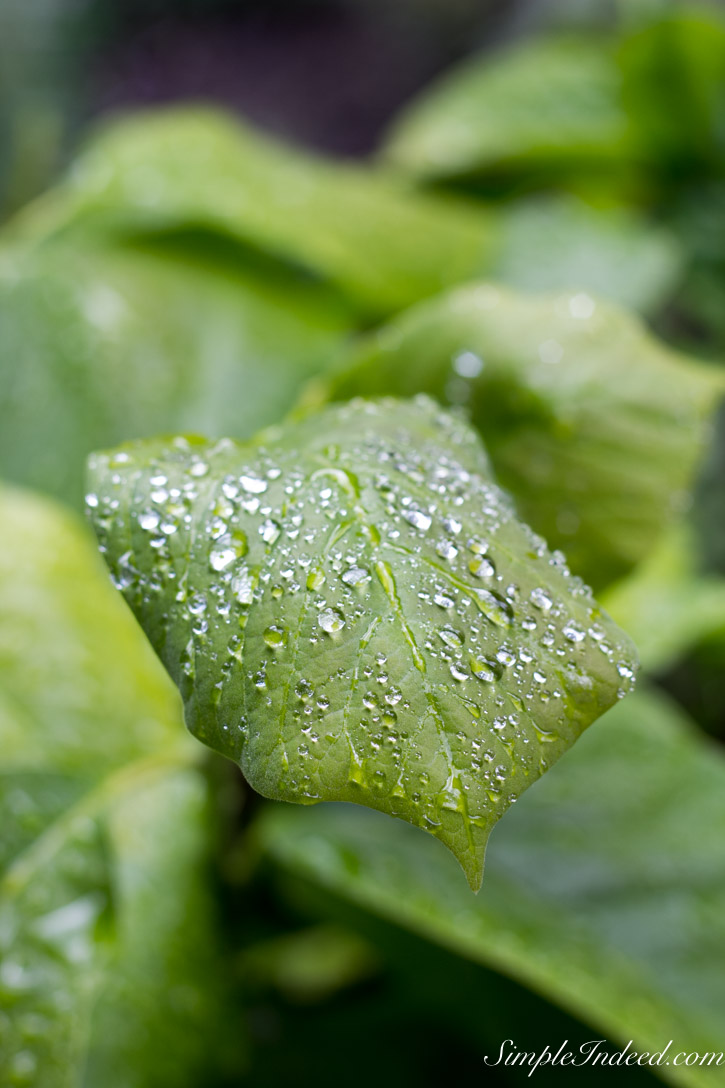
(160, 495)
(221, 557)
(243, 586)
(573, 633)
(370, 701)
(149, 520)
(418, 519)
(355, 576)
(275, 637)
(304, 690)
(506, 657)
(331, 620)
(481, 567)
(197, 604)
(199, 468)
(446, 549)
(452, 639)
(315, 579)
(467, 364)
(625, 670)
(483, 670)
(496, 608)
(253, 485)
(452, 525)
(541, 599)
(458, 673)
(269, 531)
(443, 600)
(393, 696)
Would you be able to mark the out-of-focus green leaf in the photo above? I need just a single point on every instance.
(557, 243)
(592, 424)
(673, 73)
(353, 612)
(666, 604)
(109, 970)
(383, 245)
(550, 106)
(98, 344)
(604, 886)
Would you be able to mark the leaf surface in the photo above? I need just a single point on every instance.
(353, 612)
(384, 245)
(109, 963)
(554, 104)
(604, 887)
(100, 342)
(593, 425)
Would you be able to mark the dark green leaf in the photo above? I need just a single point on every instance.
(353, 612)
(551, 104)
(109, 964)
(592, 424)
(604, 887)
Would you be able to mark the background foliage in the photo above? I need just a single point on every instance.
(179, 270)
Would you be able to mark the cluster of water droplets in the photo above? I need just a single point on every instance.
(361, 605)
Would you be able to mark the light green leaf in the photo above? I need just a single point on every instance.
(552, 106)
(593, 425)
(106, 978)
(604, 887)
(100, 343)
(554, 243)
(382, 244)
(666, 604)
(353, 612)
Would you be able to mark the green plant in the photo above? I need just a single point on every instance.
(341, 581)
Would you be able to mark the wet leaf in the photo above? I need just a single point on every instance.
(103, 810)
(593, 425)
(353, 612)
(369, 234)
(604, 887)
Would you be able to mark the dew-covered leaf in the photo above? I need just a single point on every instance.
(604, 888)
(101, 343)
(109, 968)
(593, 425)
(353, 612)
(553, 105)
(369, 234)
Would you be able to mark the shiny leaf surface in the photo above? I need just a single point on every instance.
(353, 612)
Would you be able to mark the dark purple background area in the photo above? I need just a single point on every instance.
(329, 75)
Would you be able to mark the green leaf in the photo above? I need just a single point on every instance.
(367, 233)
(592, 424)
(603, 891)
(554, 243)
(353, 612)
(109, 964)
(667, 605)
(550, 106)
(101, 343)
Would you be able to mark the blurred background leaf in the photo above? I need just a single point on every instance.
(599, 886)
(105, 809)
